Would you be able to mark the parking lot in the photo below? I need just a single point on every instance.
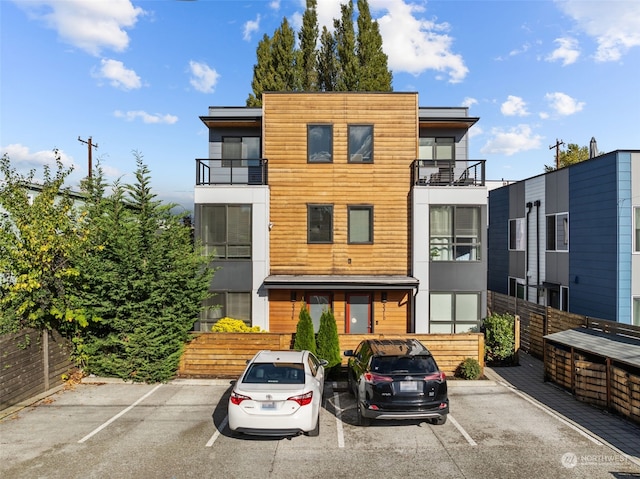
(179, 430)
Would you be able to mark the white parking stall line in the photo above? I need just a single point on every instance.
(340, 431)
(121, 413)
(551, 413)
(223, 424)
(462, 431)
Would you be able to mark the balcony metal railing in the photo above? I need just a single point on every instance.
(448, 173)
(231, 172)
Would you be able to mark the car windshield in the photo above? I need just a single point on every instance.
(275, 373)
(403, 365)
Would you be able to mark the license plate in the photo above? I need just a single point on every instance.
(269, 405)
(408, 386)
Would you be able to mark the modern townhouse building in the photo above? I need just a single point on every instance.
(365, 203)
(570, 238)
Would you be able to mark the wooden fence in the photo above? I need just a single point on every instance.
(31, 362)
(224, 355)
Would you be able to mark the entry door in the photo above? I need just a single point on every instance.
(358, 313)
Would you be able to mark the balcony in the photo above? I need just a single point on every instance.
(448, 173)
(231, 172)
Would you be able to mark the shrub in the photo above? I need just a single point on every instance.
(230, 325)
(305, 337)
(469, 369)
(327, 341)
(499, 338)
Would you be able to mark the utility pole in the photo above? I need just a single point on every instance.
(89, 146)
(557, 147)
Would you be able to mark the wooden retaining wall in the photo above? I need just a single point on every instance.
(31, 362)
(224, 355)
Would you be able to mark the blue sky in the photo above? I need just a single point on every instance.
(136, 76)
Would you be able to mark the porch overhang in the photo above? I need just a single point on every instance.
(345, 282)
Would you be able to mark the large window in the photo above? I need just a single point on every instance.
(636, 229)
(317, 303)
(517, 234)
(361, 224)
(226, 230)
(636, 312)
(360, 143)
(239, 148)
(558, 232)
(221, 304)
(516, 287)
(319, 143)
(436, 148)
(454, 312)
(320, 223)
(454, 233)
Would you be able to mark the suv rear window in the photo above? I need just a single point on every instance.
(403, 364)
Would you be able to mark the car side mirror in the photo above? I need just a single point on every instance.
(349, 352)
(323, 362)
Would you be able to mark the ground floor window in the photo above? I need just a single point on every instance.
(358, 313)
(516, 287)
(454, 312)
(317, 303)
(635, 320)
(225, 304)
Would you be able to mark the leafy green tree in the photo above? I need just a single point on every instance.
(305, 337)
(308, 37)
(499, 337)
(348, 64)
(41, 236)
(374, 74)
(262, 72)
(146, 282)
(328, 341)
(574, 154)
(327, 62)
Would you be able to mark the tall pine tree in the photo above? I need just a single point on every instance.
(374, 74)
(308, 37)
(327, 62)
(348, 64)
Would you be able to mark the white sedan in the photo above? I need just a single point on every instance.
(278, 394)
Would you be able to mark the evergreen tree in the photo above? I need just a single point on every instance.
(284, 58)
(374, 74)
(308, 37)
(262, 72)
(41, 237)
(305, 337)
(146, 282)
(328, 341)
(348, 65)
(327, 62)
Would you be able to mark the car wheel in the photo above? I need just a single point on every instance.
(362, 420)
(316, 430)
(439, 421)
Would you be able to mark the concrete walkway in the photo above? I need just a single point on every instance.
(528, 379)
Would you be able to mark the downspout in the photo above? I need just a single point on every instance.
(537, 205)
(526, 255)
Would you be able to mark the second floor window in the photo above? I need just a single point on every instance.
(558, 232)
(516, 234)
(436, 148)
(361, 224)
(320, 223)
(226, 229)
(319, 143)
(360, 143)
(454, 233)
(239, 148)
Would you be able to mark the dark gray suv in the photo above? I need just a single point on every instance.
(397, 379)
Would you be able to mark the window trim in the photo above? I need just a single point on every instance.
(315, 205)
(349, 154)
(520, 234)
(310, 126)
(368, 208)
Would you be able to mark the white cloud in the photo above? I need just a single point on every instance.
(146, 117)
(567, 51)
(615, 26)
(415, 45)
(89, 25)
(468, 102)
(118, 75)
(514, 106)
(204, 78)
(250, 27)
(509, 142)
(563, 104)
(24, 160)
